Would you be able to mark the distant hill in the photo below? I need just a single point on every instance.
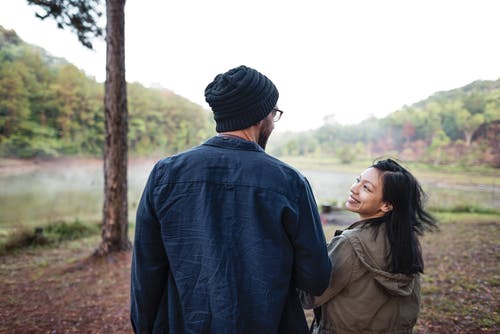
(458, 126)
(477, 87)
(48, 107)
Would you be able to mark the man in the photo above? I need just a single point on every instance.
(225, 233)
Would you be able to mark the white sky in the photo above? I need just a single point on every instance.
(350, 59)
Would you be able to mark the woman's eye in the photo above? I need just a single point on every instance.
(366, 188)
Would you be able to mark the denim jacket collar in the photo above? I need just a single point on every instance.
(233, 143)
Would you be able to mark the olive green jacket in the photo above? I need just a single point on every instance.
(362, 296)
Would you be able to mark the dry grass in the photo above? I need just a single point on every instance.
(62, 290)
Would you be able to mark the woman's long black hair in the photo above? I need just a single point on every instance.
(406, 220)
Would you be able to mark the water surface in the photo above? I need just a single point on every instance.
(69, 191)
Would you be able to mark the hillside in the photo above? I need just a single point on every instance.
(460, 126)
(48, 107)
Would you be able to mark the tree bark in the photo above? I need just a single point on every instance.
(115, 208)
(468, 137)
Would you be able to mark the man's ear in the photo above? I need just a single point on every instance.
(386, 207)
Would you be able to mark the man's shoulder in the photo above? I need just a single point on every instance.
(285, 167)
(177, 160)
(203, 157)
(186, 154)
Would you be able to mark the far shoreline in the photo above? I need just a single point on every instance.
(16, 166)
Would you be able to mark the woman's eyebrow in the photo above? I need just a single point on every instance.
(366, 181)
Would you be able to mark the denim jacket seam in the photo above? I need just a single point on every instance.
(295, 198)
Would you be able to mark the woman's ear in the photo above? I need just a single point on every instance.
(386, 207)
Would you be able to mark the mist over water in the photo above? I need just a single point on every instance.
(330, 187)
(75, 191)
(63, 192)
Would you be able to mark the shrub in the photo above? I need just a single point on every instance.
(465, 208)
(23, 237)
(61, 230)
(50, 234)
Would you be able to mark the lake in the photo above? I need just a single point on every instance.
(73, 189)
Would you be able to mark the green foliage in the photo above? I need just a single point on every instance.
(348, 153)
(80, 16)
(61, 231)
(459, 127)
(50, 108)
(21, 238)
(51, 234)
(465, 208)
(158, 119)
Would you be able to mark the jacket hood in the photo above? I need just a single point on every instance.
(395, 284)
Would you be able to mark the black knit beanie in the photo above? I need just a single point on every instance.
(240, 98)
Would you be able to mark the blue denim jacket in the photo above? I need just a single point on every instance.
(224, 236)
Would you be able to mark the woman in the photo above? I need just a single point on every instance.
(374, 284)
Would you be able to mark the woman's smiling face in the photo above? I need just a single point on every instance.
(366, 195)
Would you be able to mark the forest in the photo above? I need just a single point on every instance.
(50, 108)
(459, 127)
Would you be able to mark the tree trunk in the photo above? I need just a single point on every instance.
(468, 137)
(115, 215)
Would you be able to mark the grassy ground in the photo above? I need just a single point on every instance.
(460, 288)
(63, 290)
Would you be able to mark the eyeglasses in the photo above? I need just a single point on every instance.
(277, 114)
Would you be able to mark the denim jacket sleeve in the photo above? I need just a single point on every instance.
(342, 257)
(311, 263)
(150, 265)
